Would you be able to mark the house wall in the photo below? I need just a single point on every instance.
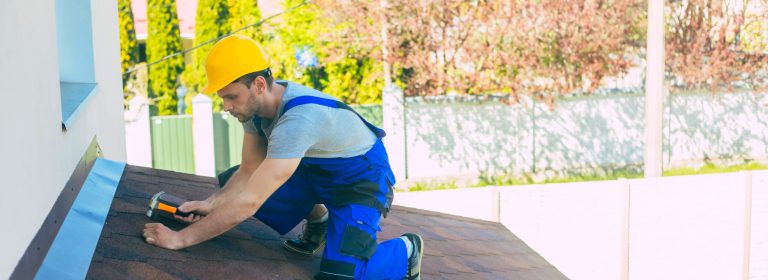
(38, 157)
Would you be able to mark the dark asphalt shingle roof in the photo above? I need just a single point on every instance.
(456, 247)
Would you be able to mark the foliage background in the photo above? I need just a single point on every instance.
(211, 22)
(543, 49)
(163, 39)
(129, 48)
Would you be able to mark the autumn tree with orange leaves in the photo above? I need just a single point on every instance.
(717, 44)
(545, 48)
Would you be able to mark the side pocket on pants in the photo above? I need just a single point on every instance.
(358, 243)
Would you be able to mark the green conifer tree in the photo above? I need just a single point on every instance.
(244, 13)
(343, 69)
(163, 39)
(129, 48)
(298, 30)
(211, 22)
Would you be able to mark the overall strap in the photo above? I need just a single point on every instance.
(257, 123)
(306, 99)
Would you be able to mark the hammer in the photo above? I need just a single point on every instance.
(165, 202)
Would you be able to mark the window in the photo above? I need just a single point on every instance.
(74, 40)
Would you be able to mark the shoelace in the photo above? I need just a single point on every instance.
(308, 231)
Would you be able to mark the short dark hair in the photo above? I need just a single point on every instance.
(247, 79)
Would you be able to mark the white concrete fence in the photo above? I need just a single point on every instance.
(451, 137)
(138, 140)
(687, 227)
(434, 139)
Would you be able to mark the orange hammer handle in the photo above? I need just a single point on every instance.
(171, 209)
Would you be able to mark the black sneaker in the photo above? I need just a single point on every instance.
(414, 261)
(310, 241)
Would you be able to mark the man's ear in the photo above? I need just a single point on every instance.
(260, 83)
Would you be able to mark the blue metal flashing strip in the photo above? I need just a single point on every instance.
(74, 96)
(72, 250)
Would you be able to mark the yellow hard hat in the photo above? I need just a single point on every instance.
(230, 59)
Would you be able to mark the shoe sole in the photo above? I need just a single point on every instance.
(295, 250)
(418, 242)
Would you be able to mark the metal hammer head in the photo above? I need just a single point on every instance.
(163, 202)
(153, 203)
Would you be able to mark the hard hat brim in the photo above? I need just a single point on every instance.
(218, 85)
(213, 88)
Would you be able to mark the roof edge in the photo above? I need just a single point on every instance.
(38, 248)
(72, 250)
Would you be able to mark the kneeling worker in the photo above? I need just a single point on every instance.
(305, 155)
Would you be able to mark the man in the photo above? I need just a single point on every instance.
(302, 149)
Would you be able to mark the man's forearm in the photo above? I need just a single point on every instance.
(221, 219)
(235, 205)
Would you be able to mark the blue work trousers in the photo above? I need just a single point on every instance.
(356, 191)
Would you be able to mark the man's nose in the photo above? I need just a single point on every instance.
(227, 106)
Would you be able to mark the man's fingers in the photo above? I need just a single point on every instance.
(188, 219)
(197, 206)
(185, 219)
(185, 208)
(189, 206)
(150, 232)
(149, 236)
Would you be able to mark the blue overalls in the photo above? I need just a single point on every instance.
(357, 191)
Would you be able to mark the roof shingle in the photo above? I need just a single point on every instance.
(455, 247)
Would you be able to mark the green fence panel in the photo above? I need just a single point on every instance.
(372, 113)
(172, 143)
(227, 141)
(235, 141)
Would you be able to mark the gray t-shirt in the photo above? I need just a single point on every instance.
(312, 130)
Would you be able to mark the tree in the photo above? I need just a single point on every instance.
(310, 48)
(211, 22)
(245, 13)
(575, 44)
(163, 39)
(542, 48)
(353, 73)
(299, 30)
(711, 44)
(129, 48)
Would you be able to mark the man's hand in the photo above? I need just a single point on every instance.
(197, 210)
(161, 236)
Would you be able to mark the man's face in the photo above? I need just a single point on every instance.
(240, 101)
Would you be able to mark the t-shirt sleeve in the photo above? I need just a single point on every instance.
(293, 135)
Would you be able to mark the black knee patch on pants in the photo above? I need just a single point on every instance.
(224, 176)
(333, 270)
(357, 243)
